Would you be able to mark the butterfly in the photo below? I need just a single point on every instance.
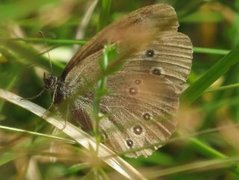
(138, 110)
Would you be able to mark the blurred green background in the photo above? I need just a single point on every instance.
(40, 36)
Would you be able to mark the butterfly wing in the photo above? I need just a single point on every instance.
(132, 33)
(141, 24)
(143, 96)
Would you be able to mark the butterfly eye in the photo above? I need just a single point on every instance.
(50, 81)
(138, 129)
(129, 143)
(146, 116)
(150, 53)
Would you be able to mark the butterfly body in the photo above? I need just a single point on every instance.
(143, 96)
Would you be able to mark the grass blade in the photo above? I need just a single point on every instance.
(221, 67)
(78, 135)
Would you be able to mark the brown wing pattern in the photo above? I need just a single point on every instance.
(151, 19)
(144, 95)
(142, 101)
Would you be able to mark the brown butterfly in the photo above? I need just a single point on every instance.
(143, 96)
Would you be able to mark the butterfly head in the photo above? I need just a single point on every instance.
(50, 81)
(55, 86)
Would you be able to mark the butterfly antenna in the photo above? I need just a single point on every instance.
(48, 54)
(46, 51)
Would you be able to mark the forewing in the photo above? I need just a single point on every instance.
(139, 26)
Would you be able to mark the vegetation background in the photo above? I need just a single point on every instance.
(206, 145)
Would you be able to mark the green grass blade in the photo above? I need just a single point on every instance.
(210, 51)
(58, 42)
(104, 13)
(210, 152)
(222, 66)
